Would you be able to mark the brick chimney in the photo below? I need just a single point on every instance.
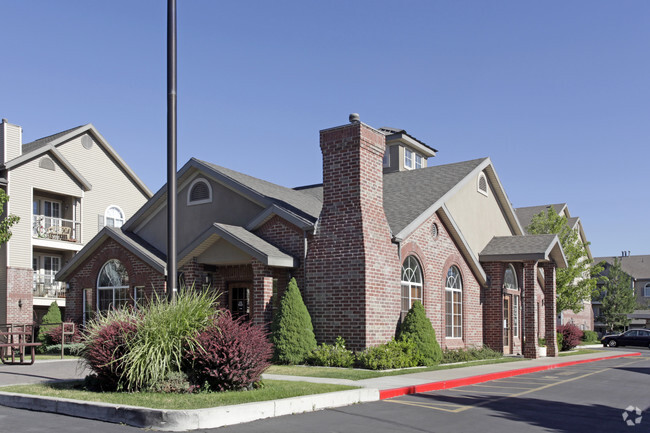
(11, 141)
(352, 268)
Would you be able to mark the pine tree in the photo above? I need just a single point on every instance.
(53, 315)
(292, 333)
(417, 328)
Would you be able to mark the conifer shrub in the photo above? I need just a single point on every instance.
(335, 355)
(559, 337)
(417, 328)
(292, 333)
(571, 336)
(53, 315)
(229, 355)
(393, 354)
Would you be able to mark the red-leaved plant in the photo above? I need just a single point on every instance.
(104, 349)
(571, 336)
(53, 335)
(229, 355)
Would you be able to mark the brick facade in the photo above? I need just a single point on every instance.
(20, 299)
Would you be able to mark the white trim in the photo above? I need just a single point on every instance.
(119, 209)
(482, 175)
(412, 166)
(189, 192)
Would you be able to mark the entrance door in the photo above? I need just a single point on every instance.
(507, 325)
(239, 299)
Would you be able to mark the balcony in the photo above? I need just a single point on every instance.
(58, 229)
(45, 286)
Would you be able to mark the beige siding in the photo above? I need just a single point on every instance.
(479, 218)
(12, 135)
(110, 184)
(22, 181)
(227, 207)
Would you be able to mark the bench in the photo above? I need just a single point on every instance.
(15, 338)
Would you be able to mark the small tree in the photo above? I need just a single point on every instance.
(53, 315)
(577, 282)
(417, 328)
(6, 221)
(618, 298)
(292, 333)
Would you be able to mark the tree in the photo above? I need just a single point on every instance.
(577, 282)
(292, 332)
(6, 221)
(618, 298)
(417, 328)
(52, 316)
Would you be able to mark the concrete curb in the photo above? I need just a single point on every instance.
(181, 420)
(446, 384)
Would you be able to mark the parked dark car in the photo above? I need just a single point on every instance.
(633, 337)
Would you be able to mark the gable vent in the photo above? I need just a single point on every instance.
(46, 163)
(87, 142)
(482, 184)
(200, 192)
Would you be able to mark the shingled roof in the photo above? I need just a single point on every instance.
(526, 214)
(637, 267)
(517, 248)
(36, 144)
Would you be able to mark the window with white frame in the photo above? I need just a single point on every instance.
(411, 283)
(482, 184)
(510, 279)
(408, 158)
(515, 316)
(418, 160)
(454, 304)
(386, 161)
(646, 290)
(112, 286)
(45, 269)
(114, 217)
(199, 192)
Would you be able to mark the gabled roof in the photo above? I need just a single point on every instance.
(637, 267)
(48, 144)
(524, 248)
(133, 243)
(526, 214)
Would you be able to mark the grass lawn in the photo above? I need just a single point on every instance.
(356, 374)
(579, 352)
(272, 390)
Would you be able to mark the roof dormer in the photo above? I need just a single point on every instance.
(404, 152)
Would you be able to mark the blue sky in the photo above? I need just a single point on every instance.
(556, 93)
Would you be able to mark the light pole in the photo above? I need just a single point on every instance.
(171, 150)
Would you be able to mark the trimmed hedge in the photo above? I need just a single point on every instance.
(394, 354)
(335, 355)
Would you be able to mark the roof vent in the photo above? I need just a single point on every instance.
(354, 118)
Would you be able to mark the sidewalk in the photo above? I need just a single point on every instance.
(181, 420)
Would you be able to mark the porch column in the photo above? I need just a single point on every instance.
(493, 307)
(261, 312)
(530, 312)
(550, 310)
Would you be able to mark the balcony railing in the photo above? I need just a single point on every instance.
(46, 287)
(59, 229)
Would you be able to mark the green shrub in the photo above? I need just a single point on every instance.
(176, 382)
(590, 337)
(394, 354)
(163, 332)
(417, 328)
(450, 356)
(53, 315)
(560, 337)
(73, 349)
(335, 355)
(292, 333)
(541, 342)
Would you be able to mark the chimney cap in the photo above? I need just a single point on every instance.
(354, 118)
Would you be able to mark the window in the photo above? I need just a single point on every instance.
(114, 217)
(646, 290)
(45, 269)
(199, 192)
(515, 316)
(510, 279)
(408, 158)
(418, 160)
(454, 304)
(386, 161)
(482, 185)
(112, 286)
(411, 283)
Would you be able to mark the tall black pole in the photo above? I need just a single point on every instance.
(172, 280)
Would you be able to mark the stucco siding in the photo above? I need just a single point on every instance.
(479, 218)
(110, 184)
(227, 207)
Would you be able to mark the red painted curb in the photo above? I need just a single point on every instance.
(454, 383)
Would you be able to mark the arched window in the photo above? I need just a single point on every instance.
(112, 286)
(411, 283)
(199, 192)
(114, 217)
(454, 304)
(510, 278)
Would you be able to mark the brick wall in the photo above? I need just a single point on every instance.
(352, 270)
(20, 295)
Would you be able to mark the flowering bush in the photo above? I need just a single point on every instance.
(571, 336)
(228, 355)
